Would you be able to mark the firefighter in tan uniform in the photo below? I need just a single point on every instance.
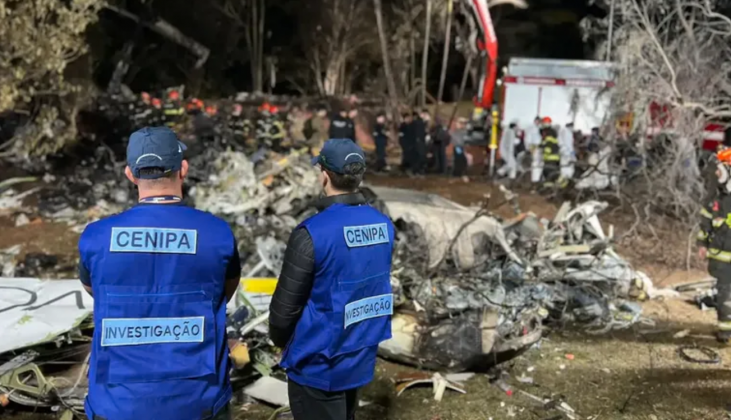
(714, 241)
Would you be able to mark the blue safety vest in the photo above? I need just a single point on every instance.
(159, 349)
(334, 345)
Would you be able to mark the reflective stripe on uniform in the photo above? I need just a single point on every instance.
(551, 158)
(702, 236)
(707, 214)
(718, 255)
(724, 325)
(717, 222)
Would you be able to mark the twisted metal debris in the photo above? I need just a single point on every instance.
(457, 271)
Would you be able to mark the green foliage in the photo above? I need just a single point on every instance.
(39, 39)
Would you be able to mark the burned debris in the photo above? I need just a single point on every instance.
(458, 271)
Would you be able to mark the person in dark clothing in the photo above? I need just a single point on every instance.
(352, 116)
(594, 142)
(173, 108)
(421, 136)
(440, 139)
(237, 125)
(407, 141)
(333, 302)
(714, 243)
(342, 126)
(380, 137)
(142, 110)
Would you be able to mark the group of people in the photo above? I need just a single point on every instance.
(552, 152)
(266, 126)
(423, 144)
(162, 273)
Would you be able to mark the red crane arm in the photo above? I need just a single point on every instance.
(487, 45)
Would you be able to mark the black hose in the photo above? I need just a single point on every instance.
(712, 357)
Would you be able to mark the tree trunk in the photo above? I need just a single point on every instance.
(425, 53)
(260, 40)
(462, 85)
(332, 75)
(252, 31)
(386, 60)
(255, 41)
(412, 64)
(445, 56)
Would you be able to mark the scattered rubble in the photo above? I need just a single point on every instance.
(457, 271)
(501, 282)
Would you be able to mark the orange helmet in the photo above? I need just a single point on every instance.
(546, 120)
(156, 102)
(265, 107)
(724, 156)
(211, 110)
(273, 109)
(174, 95)
(194, 104)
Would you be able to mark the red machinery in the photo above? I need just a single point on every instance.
(487, 46)
(661, 121)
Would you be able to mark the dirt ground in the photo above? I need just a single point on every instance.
(634, 374)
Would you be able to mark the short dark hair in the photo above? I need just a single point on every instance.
(156, 171)
(350, 179)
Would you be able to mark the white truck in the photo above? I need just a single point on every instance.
(577, 91)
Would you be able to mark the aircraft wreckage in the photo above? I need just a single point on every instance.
(457, 272)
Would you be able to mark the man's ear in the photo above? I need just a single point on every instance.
(128, 173)
(325, 179)
(184, 169)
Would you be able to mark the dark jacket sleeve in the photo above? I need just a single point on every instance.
(294, 287)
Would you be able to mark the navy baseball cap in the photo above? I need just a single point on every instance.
(336, 153)
(154, 147)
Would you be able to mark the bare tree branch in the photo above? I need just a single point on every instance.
(170, 32)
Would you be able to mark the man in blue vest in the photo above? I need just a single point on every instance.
(333, 302)
(161, 274)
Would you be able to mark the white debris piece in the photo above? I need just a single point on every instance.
(598, 176)
(10, 200)
(21, 220)
(270, 390)
(234, 187)
(440, 220)
(7, 260)
(37, 311)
